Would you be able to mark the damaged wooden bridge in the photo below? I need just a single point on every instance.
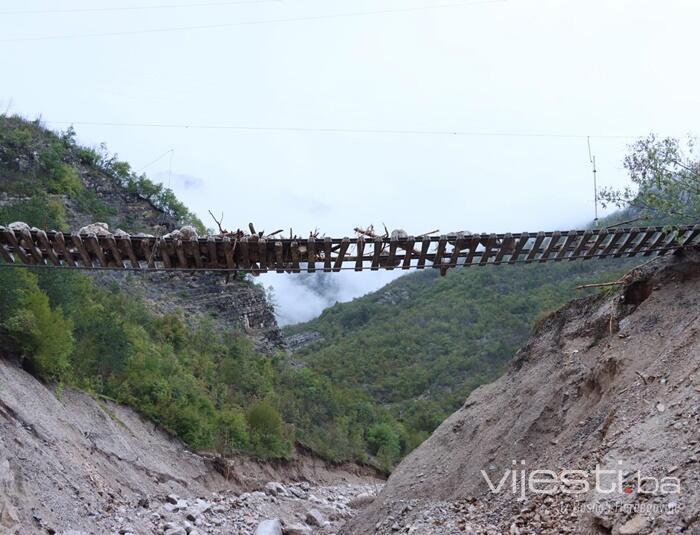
(254, 254)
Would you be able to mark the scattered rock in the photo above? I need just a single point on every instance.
(314, 517)
(633, 526)
(269, 527)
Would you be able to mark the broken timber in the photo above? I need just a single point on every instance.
(252, 254)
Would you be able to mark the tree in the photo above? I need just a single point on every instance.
(665, 178)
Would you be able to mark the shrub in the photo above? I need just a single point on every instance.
(267, 430)
(231, 431)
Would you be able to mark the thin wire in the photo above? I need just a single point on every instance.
(159, 158)
(253, 22)
(132, 8)
(591, 157)
(344, 130)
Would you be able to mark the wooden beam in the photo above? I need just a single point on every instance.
(96, 249)
(535, 248)
(600, 238)
(262, 254)
(646, 236)
(179, 248)
(570, 238)
(229, 250)
(522, 242)
(31, 246)
(4, 253)
(80, 246)
(279, 257)
(629, 240)
(655, 244)
(490, 243)
(327, 245)
(344, 244)
(311, 255)
(166, 251)
(149, 254)
(410, 242)
(391, 259)
(617, 234)
(127, 248)
(212, 252)
(359, 253)
(439, 253)
(60, 244)
(457, 250)
(112, 245)
(424, 248)
(581, 246)
(294, 247)
(44, 241)
(244, 249)
(474, 241)
(507, 244)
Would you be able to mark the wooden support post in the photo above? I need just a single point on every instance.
(642, 242)
(473, 242)
(654, 244)
(359, 253)
(532, 254)
(344, 244)
(410, 242)
(692, 234)
(671, 243)
(617, 234)
(179, 248)
(568, 241)
(262, 254)
(440, 252)
(391, 259)
(507, 246)
(311, 255)
(80, 246)
(192, 247)
(581, 246)
(166, 250)
(600, 238)
(212, 253)
(628, 241)
(553, 241)
(294, 248)
(456, 251)
(4, 253)
(60, 244)
(44, 241)
(149, 253)
(128, 250)
(31, 246)
(490, 243)
(279, 256)
(327, 246)
(112, 245)
(522, 242)
(244, 249)
(424, 248)
(229, 250)
(96, 249)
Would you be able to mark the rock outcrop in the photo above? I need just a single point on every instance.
(610, 381)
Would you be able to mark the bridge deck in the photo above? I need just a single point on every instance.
(255, 255)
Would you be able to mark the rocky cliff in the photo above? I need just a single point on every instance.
(610, 382)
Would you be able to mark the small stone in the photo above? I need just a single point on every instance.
(269, 527)
(314, 517)
(633, 526)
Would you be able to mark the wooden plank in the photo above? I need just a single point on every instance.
(60, 244)
(474, 241)
(424, 248)
(651, 248)
(627, 242)
(262, 254)
(82, 250)
(311, 255)
(507, 244)
(439, 253)
(26, 238)
(692, 234)
(391, 259)
(212, 253)
(600, 238)
(671, 243)
(551, 246)
(179, 248)
(229, 250)
(166, 251)
(457, 250)
(294, 247)
(488, 249)
(149, 255)
(410, 242)
(522, 242)
(581, 245)
(359, 253)
(44, 241)
(647, 234)
(4, 253)
(244, 250)
(327, 246)
(535, 248)
(564, 249)
(116, 254)
(344, 244)
(192, 248)
(17, 250)
(125, 243)
(94, 245)
(279, 256)
(617, 234)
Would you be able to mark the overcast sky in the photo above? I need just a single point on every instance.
(298, 74)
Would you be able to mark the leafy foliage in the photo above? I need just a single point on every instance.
(665, 181)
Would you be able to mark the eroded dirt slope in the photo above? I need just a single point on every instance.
(612, 381)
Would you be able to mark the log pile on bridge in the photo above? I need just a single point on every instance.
(95, 247)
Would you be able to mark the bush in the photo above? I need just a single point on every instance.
(44, 335)
(267, 430)
(231, 431)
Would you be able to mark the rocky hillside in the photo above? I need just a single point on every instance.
(76, 464)
(49, 181)
(609, 381)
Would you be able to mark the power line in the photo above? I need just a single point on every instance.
(131, 8)
(344, 130)
(253, 22)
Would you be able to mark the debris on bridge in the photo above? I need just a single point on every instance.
(95, 247)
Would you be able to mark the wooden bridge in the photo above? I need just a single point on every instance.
(255, 254)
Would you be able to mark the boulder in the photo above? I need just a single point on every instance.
(98, 228)
(269, 527)
(314, 517)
